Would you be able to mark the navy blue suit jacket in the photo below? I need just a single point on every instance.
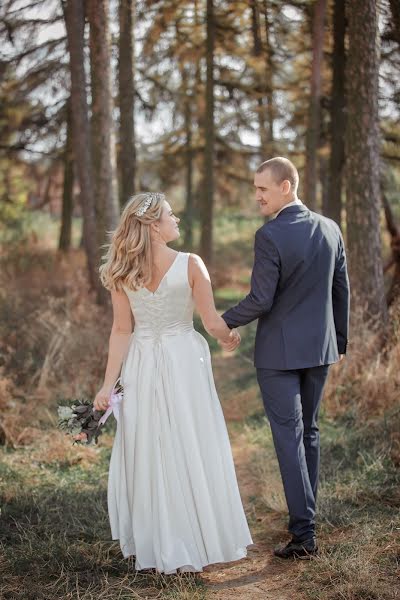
(299, 292)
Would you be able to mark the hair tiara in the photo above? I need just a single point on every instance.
(150, 196)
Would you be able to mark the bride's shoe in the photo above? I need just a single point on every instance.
(187, 569)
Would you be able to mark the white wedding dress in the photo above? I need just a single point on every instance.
(173, 498)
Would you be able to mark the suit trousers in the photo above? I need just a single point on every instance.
(291, 400)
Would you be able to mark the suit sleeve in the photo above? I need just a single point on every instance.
(264, 281)
(341, 298)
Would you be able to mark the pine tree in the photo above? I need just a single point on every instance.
(102, 125)
(313, 124)
(362, 159)
(68, 185)
(206, 241)
(333, 207)
(126, 100)
(75, 21)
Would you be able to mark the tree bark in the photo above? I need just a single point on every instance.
(363, 161)
(257, 52)
(206, 241)
(74, 21)
(337, 126)
(126, 100)
(188, 225)
(269, 71)
(103, 139)
(395, 9)
(313, 125)
(394, 232)
(67, 201)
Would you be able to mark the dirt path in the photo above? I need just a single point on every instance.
(260, 575)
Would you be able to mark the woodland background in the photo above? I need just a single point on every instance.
(100, 99)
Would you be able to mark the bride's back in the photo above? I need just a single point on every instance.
(169, 308)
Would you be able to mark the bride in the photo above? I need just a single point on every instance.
(173, 498)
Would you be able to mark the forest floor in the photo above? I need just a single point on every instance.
(54, 530)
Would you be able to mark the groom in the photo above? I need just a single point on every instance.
(300, 296)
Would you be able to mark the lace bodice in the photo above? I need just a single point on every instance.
(168, 310)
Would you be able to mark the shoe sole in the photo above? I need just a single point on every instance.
(307, 556)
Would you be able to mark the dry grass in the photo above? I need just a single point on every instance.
(357, 566)
(54, 340)
(368, 380)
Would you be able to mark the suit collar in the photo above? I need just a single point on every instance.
(297, 208)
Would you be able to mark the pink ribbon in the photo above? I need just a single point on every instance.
(113, 407)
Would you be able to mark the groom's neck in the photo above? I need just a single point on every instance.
(291, 199)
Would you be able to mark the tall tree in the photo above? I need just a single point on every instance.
(333, 206)
(313, 124)
(394, 261)
(206, 240)
(75, 22)
(102, 128)
(269, 72)
(189, 155)
(395, 9)
(260, 88)
(126, 99)
(68, 185)
(362, 159)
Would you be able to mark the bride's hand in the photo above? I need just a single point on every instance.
(234, 341)
(102, 399)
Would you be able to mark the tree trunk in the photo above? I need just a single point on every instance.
(313, 125)
(188, 225)
(68, 185)
(260, 88)
(199, 97)
(337, 126)
(126, 99)
(206, 241)
(269, 77)
(394, 232)
(362, 159)
(74, 21)
(395, 9)
(103, 141)
(324, 181)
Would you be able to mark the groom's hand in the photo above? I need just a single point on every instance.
(233, 342)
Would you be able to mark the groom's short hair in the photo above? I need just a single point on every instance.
(281, 168)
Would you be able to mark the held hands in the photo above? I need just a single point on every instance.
(233, 341)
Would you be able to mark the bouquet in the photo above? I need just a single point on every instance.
(81, 420)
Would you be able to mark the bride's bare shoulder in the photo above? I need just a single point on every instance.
(197, 269)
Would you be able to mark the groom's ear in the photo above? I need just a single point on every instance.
(286, 186)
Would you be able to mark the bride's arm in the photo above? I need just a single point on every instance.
(199, 280)
(117, 347)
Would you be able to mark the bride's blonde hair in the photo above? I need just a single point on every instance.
(129, 257)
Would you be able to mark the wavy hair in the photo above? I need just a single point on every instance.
(129, 257)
